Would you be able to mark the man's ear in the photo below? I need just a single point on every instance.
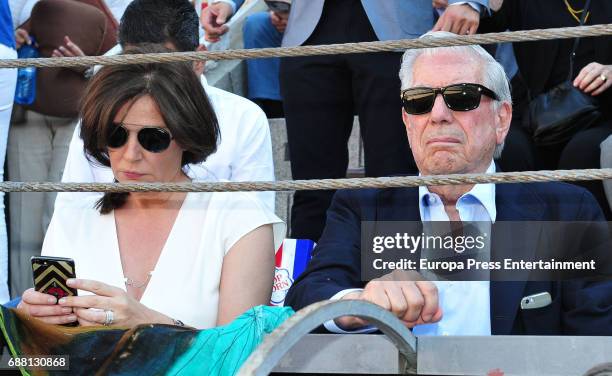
(406, 121)
(198, 66)
(504, 116)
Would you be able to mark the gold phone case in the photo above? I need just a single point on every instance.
(50, 275)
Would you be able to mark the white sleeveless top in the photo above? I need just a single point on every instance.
(185, 283)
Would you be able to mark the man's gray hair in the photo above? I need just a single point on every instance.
(494, 76)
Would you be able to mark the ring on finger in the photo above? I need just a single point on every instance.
(110, 317)
(603, 77)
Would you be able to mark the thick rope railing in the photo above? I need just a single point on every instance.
(319, 184)
(279, 342)
(332, 49)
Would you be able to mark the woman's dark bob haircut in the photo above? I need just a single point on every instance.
(175, 88)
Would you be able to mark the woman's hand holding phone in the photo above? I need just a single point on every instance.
(126, 311)
(44, 307)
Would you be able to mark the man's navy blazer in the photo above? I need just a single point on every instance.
(577, 308)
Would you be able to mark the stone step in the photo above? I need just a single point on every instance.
(282, 166)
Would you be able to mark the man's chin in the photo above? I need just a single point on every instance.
(445, 166)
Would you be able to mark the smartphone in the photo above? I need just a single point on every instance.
(536, 300)
(50, 275)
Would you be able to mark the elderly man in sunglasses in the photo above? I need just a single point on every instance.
(457, 111)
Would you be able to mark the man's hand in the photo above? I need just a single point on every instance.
(594, 78)
(22, 37)
(459, 19)
(279, 20)
(411, 300)
(213, 20)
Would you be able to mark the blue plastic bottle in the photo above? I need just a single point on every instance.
(25, 93)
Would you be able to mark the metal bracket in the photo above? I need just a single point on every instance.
(263, 360)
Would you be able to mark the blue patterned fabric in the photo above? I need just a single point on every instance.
(146, 349)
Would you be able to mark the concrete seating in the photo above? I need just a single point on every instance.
(282, 166)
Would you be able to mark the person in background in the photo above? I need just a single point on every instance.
(21, 11)
(264, 30)
(8, 80)
(519, 151)
(197, 259)
(260, 30)
(117, 7)
(322, 94)
(38, 141)
(592, 75)
(244, 152)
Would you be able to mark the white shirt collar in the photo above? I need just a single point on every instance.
(484, 193)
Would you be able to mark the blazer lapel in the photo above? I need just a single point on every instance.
(513, 203)
(398, 204)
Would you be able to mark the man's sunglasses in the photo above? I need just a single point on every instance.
(152, 139)
(458, 97)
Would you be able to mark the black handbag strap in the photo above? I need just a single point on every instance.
(585, 11)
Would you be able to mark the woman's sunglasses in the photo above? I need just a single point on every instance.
(152, 139)
(458, 97)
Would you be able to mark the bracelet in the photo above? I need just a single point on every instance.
(178, 322)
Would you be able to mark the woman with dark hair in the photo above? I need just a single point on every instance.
(167, 257)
